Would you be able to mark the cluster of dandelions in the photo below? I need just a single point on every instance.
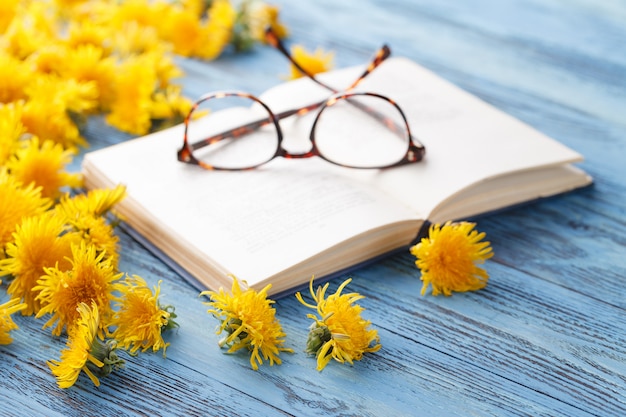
(449, 259)
(59, 260)
(248, 319)
(64, 60)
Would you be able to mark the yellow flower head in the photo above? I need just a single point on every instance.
(86, 214)
(49, 59)
(249, 320)
(7, 13)
(52, 122)
(144, 12)
(134, 39)
(339, 332)
(85, 79)
(169, 107)
(314, 63)
(183, 29)
(66, 94)
(15, 75)
(83, 76)
(450, 256)
(216, 34)
(30, 29)
(11, 130)
(84, 351)
(95, 203)
(164, 67)
(130, 110)
(6, 322)
(83, 31)
(90, 280)
(140, 320)
(98, 232)
(40, 241)
(191, 35)
(17, 203)
(44, 165)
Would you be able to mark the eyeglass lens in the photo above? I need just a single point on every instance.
(361, 131)
(244, 148)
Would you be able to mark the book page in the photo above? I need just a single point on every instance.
(252, 223)
(467, 140)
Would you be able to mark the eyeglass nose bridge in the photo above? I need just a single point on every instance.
(282, 152)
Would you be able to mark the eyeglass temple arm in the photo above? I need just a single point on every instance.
(383, 53)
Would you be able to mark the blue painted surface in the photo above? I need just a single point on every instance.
(548, 334)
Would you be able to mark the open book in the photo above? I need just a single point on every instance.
(291, 219)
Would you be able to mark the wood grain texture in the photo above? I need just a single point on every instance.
(548, 334)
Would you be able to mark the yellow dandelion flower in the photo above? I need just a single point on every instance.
(87, 215)
(40, 241)
(163, 66)
(15, 75)
(449, 257)
(100, 13)
(6, 322)
(216, 33)
(49, 59)
(340, 332)
(249, 320)
(140, 319)
(85, 32)
(314, 63)
(66, 94)
(84, 351)
(81, 97)
(7, 13)
(190, 35)
(130, 110)
(44, 165)
(63, 4)
(183, 29)
(51, 122)
(98, 232)
(17, 203)
(90, 279)
(11, 130)
(30, 29)
(134, 38)
(96, 202)
(94, 72)
(144, 12)
(169, 107)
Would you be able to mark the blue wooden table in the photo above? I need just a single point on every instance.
(548, 334)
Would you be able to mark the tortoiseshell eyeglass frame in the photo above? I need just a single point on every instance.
(415, 150)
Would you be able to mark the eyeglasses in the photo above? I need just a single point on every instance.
(350, 129)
